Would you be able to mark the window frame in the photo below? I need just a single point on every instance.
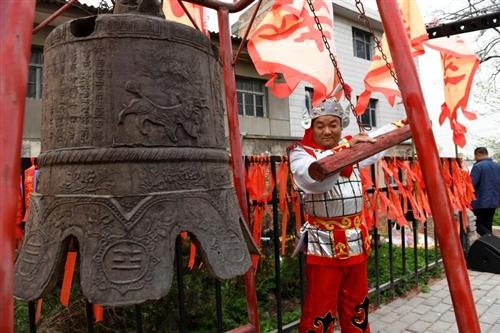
(308, 96)
(368, 45)
(38, 79)
(371, 112)
(244, 93)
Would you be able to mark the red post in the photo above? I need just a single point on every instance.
(453, 259)
(233, 123)
(16, 22)
(53, 16)
(226, 54)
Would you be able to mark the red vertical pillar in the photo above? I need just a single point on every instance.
(226, 54)
(16, 23)
(453, 259)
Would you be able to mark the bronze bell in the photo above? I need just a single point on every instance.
(133, 153)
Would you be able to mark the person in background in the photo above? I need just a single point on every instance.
(485, 176)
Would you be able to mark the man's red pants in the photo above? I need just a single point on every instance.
(335, 289)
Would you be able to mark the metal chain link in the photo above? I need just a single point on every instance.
(103, 7)
(378, 42)
(362, 127)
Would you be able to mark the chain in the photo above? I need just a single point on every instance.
(362, 127)
(103, 7)
(378, 43)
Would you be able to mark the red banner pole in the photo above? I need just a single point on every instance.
(53, 16)
(226, 54)
(453, 259)
(16, 22)
(233, 123)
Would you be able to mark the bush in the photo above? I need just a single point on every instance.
(199, 295)
(496, 218)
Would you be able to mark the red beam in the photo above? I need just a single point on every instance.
(53, 16)
(249, 27)
(446, 229)
(188, 14)
(16, 22)
(329, 165)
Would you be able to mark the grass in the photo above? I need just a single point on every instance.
(496, 218)
(162, 315)
(408, 281)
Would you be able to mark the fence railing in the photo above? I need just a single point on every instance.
(392, 266)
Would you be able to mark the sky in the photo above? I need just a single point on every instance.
(486, 126)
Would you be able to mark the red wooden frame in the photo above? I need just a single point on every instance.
(16, 23)
(15, 28)
(446, 228)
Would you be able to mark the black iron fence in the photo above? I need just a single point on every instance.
(392, 268)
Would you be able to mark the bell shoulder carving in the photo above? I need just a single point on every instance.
(87, 181)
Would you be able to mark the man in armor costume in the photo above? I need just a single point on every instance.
(334, 238)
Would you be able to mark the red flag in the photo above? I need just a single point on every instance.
(173, 11)
(287, 42)
(378, 79)
(459, 67)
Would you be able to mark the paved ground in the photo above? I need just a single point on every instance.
(496, 231)
(432, 312)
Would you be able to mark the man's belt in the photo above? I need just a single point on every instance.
(350, 236)
(335, 223)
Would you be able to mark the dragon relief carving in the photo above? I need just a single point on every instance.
(187, 115)
(86, 181)
(169, 178)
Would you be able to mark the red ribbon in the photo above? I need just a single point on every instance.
(260, 185)
(282, 182)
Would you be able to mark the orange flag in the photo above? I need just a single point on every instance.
(288, 42)
(459, 67)
(173, 11)
(378, 79)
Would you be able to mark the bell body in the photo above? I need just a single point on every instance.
(133, 153)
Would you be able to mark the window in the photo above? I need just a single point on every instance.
(35, 83)
(368, 118)
(362, 43)
(251, 97)
(309, 98)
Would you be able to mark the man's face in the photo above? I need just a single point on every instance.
(478, 156)
(327, 131)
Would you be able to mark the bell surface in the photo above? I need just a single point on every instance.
(133, 153)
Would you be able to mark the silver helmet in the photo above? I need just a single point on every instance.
(329, 107)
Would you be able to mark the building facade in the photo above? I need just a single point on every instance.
(354, 48)
(268, 124)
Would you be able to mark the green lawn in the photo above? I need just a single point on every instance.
(199, 293)
(496, 218)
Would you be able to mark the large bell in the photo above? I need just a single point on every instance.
(133, 153)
